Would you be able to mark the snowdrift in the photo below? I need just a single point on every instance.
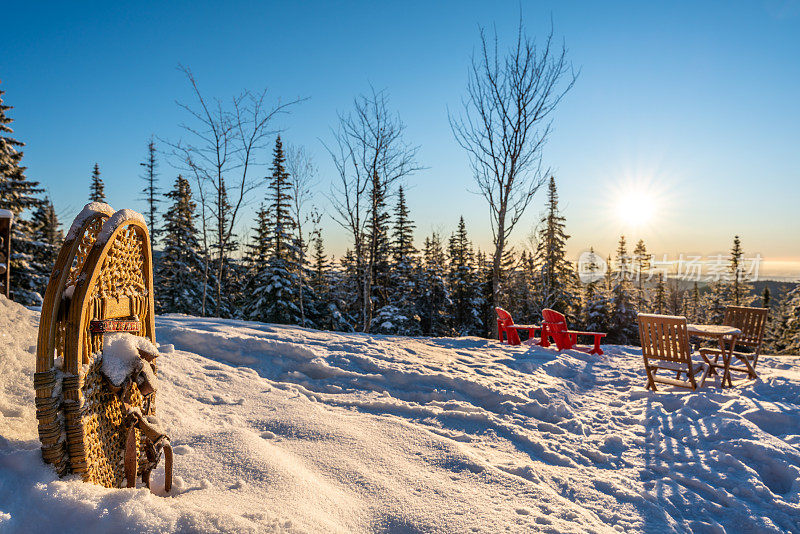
(281, 429)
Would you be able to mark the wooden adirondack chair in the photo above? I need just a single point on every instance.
(52, 326)
(555, 326)
(506, 326)
(751, 321)
(665, 346)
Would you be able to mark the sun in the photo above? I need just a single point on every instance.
(635, 208)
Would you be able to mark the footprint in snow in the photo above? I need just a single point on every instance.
(182, 449)
(268, 435)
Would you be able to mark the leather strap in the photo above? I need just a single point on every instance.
(155, 442)
(130, 457)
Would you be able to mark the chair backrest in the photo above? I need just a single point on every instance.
(503, 317)
(664, 337)
(556, 322)
(557, 327)
(52, 325)
(114, 292)
(750, 321)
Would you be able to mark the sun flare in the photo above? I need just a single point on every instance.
(635, 208)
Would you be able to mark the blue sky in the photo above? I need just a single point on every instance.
(695, 104)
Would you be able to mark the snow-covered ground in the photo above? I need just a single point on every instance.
(283, 429)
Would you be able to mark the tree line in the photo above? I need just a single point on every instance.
(383, 283)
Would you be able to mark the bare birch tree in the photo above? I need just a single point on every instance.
(504, 125)
(302, 179)
(222, 146)
(370, 156)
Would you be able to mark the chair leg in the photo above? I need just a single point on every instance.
(751, 372)
(705, 375)
(651, 382)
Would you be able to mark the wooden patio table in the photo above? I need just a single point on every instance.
(726, 337)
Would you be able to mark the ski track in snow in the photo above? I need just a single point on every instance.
(284, 429)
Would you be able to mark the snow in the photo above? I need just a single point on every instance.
(283, 429)
(6, 214)
(121, 357)
(88, 211)
(120, 217)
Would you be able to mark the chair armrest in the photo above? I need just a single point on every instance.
(601, 334)
(524, 326)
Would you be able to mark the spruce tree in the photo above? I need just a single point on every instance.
(345, 291)
(485, 274)
(741, 290)
(275, 295)
(395, 315)
(46, 243)
(96, 187)
(595, 299)
(623, 325)
(434, 298)
(555, 280)
(18, 194)
(785, 335)
(323, 307)
(179, 278)
(715, 300)
(765, 297)
(693, 311)
(377, 236)
(150, 191)
(465, 302)
(660, 297)
(642, 263)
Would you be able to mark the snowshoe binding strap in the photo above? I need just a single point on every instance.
(154, 443)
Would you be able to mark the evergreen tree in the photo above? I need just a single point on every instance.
(323, 307)
(18, 194)
(151, 190)
(785, 338)
(276, 283)
(398, 314)
(434, 298)
(486, 284)
(715, 300)
(555, 280)
(765, 296)
(693, 311)
(741, 291)
(377, 236)
(660, 297)
(46, 243)
(257, 255)
(179, 279)
(595, 299)
(465, 301)
(96, 187)
(642, 263)
(623, 325)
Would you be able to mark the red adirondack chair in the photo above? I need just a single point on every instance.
(505, 325)
(555, 326)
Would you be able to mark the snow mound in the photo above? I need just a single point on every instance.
(282, 429)
(120, 217)
(88, 211)
(121, 357)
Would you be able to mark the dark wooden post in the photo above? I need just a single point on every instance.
(6, 218)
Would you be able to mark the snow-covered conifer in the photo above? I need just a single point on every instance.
(179, 278)
(18, 194)
(96, 187)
